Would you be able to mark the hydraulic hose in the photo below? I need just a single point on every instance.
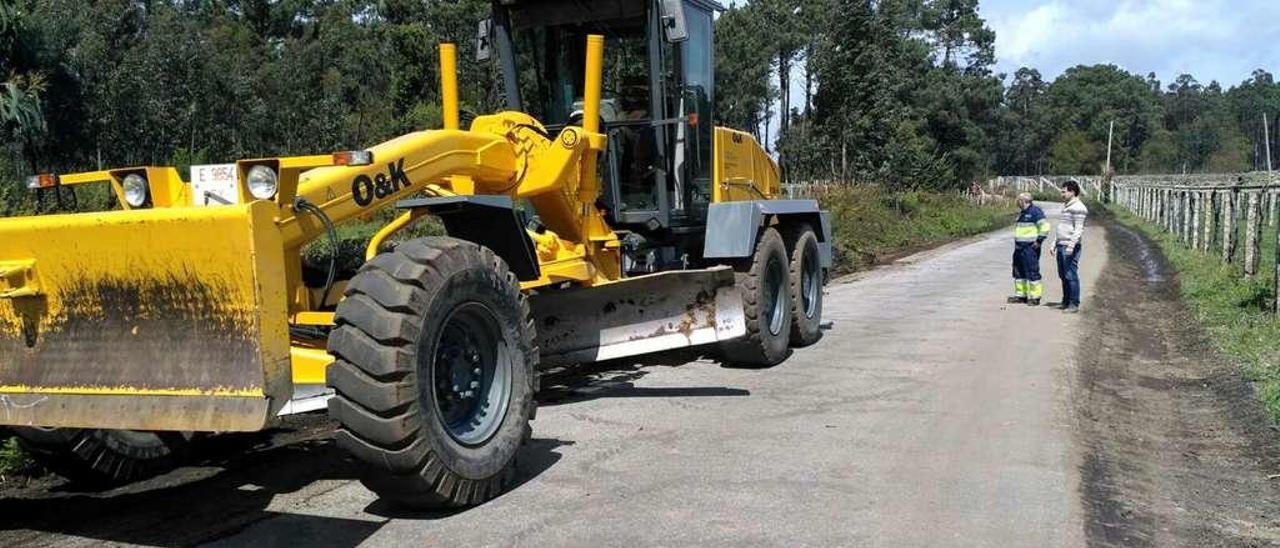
(301, 204)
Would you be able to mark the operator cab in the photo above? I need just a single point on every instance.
(656, 105)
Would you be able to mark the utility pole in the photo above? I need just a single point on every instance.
(1106, 175)
(1266, 138)
(1110, 133)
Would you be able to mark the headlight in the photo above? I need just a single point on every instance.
(263, 182)
(135, 190)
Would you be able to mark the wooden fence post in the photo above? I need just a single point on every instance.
(1271, 207)
(1159, 211)
(1180, 215)
(1184, 231)
(1151, 205)
(1228, 228)
(1156, 204)
(1197, 213)
(1209, 215)
(1179, 210)
(1253, 217)
(1275, 283)
(1166, 210)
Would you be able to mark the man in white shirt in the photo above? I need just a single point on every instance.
(1070, 231)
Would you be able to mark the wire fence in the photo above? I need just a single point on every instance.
(1224, 215)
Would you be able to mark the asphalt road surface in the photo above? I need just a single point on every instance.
(931, 414)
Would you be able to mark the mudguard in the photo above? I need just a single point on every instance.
(732, 227)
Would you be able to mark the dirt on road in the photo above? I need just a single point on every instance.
(1175, 447)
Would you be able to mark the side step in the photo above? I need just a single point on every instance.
(638, 316)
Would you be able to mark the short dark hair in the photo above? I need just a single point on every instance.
(1073, 186)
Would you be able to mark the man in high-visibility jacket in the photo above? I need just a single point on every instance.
(1029, 232)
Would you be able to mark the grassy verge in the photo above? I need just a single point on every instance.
(1236, 311)
(872, 224)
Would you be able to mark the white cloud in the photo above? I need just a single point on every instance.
(1211, 39)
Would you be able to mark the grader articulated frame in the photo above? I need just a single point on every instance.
(186, 311)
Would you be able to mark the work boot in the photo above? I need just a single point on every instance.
(1033, 301)
(1015, 300)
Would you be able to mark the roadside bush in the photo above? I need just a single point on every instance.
(872, 224)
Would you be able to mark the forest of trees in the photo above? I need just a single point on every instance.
(903, 92)
(900, 92)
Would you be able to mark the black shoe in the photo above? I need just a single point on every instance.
(1033, 302)
(1015, 300)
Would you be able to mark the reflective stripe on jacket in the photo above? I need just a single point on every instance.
(1031, 226)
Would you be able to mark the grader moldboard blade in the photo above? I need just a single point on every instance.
(638, 316)
(158, 319)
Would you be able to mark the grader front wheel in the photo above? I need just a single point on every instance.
(436, 373)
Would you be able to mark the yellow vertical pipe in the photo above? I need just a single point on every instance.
(449, 84)
(591, 95)
(590, 187)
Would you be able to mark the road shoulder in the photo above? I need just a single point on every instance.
(1173, 451)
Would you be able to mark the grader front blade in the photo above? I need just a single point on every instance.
(159, 319)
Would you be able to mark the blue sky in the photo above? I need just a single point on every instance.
(1209, 39)
(1222, 40)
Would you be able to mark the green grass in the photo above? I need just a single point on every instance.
(871, 223)
(1235, 311)
(12, 459)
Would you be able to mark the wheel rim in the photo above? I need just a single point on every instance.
(774, 296)
(810, 282)
(471, 374)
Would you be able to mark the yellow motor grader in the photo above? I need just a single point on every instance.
(601, 216)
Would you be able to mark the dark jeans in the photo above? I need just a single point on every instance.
(1069, 271)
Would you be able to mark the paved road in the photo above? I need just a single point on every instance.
(931, 414)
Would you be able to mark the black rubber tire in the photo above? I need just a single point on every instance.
(766, 342)
(806, 322)
(102, 458)
(385, 341)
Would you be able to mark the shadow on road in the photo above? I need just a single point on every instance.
(617, 379)
(229, 491)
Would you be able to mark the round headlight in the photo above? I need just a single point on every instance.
(263, 182)
(135, 190)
